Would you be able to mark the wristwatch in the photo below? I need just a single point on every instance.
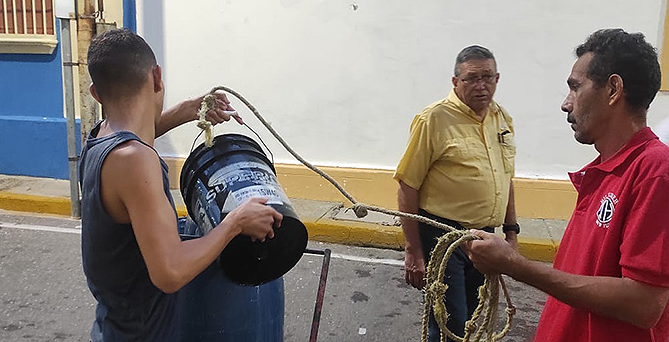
(515, 227)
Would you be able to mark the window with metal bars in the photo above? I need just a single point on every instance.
(27, 26)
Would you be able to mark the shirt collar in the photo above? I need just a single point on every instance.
(453, 97)
(639, 139)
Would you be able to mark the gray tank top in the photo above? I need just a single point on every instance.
(130, 307)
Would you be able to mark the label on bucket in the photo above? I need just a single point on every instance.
(206, 212)
(258, 191)
(238, 182)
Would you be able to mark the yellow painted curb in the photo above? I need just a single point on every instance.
(355, 233)
(374, 235)
(182, 211)
(537, 249)
(349, 233)
(325, 230)
(35, 204)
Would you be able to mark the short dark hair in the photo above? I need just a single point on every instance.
(627, 55)
(118, 61)
(473, 52)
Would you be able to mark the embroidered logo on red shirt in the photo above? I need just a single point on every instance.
(606, 209)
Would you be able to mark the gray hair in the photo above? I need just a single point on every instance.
(474, 52)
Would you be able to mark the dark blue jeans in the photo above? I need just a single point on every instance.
(462, 278)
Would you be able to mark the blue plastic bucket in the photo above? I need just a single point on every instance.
(213, 308)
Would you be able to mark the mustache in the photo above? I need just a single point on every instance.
(570, 119)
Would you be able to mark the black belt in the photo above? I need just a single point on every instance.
(454, 224)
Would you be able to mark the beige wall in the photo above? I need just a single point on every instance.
(113, 12)
(535, 198)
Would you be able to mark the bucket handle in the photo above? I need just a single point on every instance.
(271, 155)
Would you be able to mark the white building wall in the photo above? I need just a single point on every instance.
(113, 12)
(64, 8)
(342, 80)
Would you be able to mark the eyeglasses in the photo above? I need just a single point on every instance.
(488, 79)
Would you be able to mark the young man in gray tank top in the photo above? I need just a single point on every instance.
(133, 258)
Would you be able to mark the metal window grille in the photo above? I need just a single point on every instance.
(29, 17)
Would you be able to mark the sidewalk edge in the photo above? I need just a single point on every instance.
(35, 204)
(375, 235)
(324, 229)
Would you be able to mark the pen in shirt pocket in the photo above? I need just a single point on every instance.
(500, 136)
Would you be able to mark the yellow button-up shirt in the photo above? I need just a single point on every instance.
(461, 167)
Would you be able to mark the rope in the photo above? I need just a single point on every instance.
(208, 103)
(483, 318)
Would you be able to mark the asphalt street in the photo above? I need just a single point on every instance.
(44, 297)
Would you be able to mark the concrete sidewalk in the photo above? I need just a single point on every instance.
(325, 221)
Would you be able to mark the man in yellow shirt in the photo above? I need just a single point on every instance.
(457, 169)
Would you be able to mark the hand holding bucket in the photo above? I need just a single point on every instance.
(256, 220)
(219, 179)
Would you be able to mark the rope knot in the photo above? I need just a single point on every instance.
(437, 290)
(359, 210)
(203, 124)
(471, 326)
(208, 103)
(209, 100)
(435, 294)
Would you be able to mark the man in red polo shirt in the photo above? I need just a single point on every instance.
(610, 280)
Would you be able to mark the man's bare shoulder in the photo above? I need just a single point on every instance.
(131, 170)
(131, 154)
(132, 149)
(130, 162)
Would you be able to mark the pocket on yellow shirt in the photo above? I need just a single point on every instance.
(465, 156)
(508, 147)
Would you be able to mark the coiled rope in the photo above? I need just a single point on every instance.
(480, 326)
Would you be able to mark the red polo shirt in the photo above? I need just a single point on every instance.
(620, 228)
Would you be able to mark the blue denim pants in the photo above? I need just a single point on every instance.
(462, 278)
